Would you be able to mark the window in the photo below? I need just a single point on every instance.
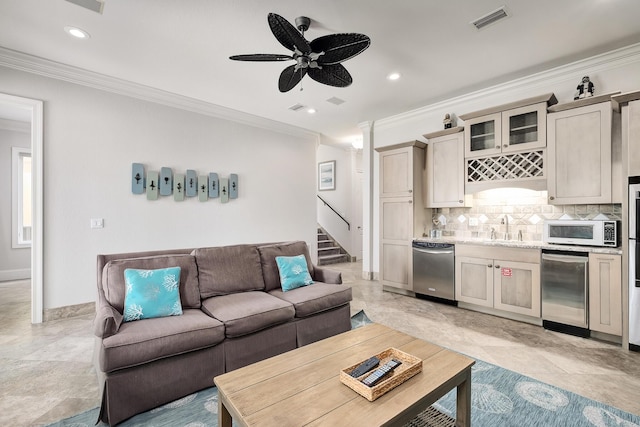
(21, 197)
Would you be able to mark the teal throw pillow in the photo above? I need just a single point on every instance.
(151, 293)
(294, 272)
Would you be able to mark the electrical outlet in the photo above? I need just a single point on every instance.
(97, 223)
(473, 222)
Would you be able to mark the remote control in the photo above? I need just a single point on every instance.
(380, 373)
(365, 367)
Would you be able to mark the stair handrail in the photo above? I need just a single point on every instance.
(335, 211)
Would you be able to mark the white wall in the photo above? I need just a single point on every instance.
(14, 263)
(91, 137)
(618, 70)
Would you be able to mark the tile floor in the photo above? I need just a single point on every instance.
(46, 372)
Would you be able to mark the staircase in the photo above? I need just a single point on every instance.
(330, 252)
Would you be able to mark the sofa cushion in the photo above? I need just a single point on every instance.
(228, 269)
(319, 297)
(294, 272)
(247, 312)
(113, 277)
(151, 293)
(151, 339)
(268, 254)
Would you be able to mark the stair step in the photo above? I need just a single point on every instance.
(332, 259)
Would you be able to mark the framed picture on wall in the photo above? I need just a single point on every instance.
(327, 175)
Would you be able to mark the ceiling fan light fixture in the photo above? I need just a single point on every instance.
(76, 32)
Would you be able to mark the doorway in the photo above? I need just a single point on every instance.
(32, 110)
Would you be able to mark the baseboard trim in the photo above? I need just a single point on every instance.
(9, 275)
(69, 311)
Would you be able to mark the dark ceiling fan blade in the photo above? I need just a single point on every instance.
(290, 77)
(339, 47)
(287, 34)
(261, 57)
(332, 75)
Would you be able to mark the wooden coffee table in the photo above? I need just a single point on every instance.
(302, 387)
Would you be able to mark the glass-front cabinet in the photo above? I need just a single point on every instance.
(520, 126)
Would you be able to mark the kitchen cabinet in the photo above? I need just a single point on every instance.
(445, 168)
(402, 212)
(605, 293)
(506, 279)
(515, 127)
(579, 148)
(629, 106)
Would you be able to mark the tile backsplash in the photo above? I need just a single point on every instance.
(525, 211)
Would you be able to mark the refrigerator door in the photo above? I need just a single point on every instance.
(634, 294)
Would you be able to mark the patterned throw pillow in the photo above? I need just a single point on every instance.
(294, 272)
(151, 293)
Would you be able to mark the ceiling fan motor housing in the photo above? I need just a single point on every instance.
(302, 23)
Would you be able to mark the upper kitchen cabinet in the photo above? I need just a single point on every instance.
(629, 106)
(579, 152)
(402, 212)
(445, 168)
(397, 168)
(515, 127)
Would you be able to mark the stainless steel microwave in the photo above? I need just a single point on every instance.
(582, 232)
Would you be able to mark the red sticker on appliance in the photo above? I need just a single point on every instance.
(507, 272)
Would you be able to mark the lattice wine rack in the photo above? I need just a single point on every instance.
(525, 165)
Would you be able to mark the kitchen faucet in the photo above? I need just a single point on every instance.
(505, 221)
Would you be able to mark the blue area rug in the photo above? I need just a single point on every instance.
(499, 397)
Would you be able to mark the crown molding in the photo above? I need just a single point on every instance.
(606, 61)
(55, 70)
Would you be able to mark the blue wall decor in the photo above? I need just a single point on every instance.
(178, 187)
(233, 186)
(213, 185)
(152, 185)
(203, 188)
(224, 190)
(137, 178)
(166, 181)
(191, 183)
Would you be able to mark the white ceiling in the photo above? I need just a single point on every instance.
(183, 47)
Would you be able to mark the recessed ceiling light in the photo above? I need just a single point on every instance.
(311, 111)
(77, 32)
(393, 76)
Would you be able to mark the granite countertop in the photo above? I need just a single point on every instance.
(520, 244)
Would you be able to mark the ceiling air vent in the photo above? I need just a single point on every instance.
(94, 5)
(335, 100)
(490, 18)
(296, 107)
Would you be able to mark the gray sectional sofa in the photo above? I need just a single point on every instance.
(234, 313)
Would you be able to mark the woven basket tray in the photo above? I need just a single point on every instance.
(410, 366)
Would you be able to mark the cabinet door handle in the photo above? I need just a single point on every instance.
(489, 266)
(460, 201)
(497, 147)
(410, 191)
(410, 201)
(497, 266)
(551, 198)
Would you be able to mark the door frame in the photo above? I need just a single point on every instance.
(35, 108)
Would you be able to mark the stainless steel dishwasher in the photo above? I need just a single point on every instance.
(433, 270)
(565, 285)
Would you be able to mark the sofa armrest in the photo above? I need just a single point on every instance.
(327, 276)
(107, 321)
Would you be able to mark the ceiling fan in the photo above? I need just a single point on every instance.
(319, 58)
